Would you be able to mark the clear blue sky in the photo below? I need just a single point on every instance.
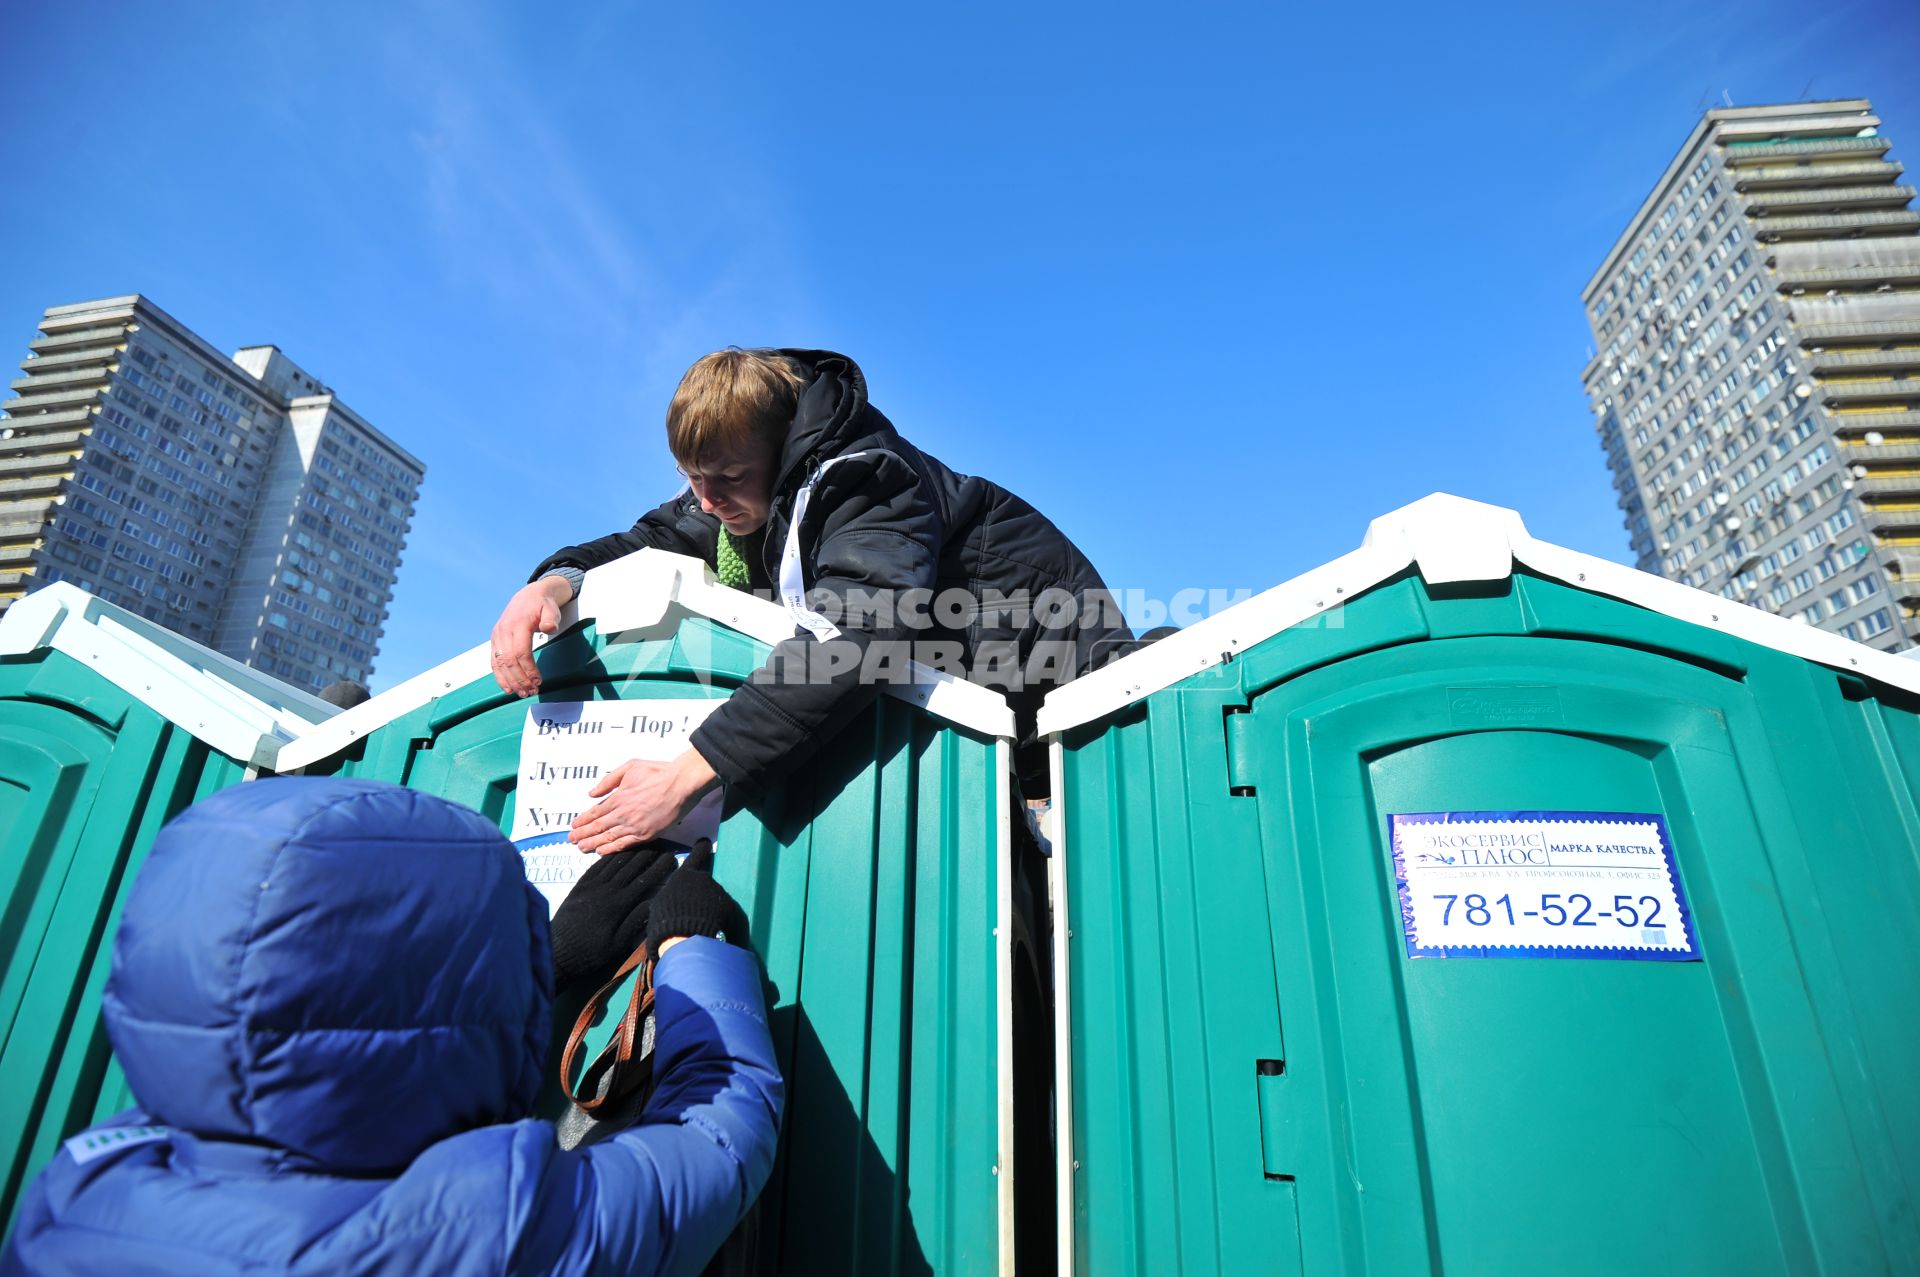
(1211, 285)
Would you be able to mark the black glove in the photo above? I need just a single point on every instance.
(604, 917)
(693, 904)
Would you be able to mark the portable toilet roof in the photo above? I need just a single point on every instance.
(242, 712)
(1449, 540)
(649, 590)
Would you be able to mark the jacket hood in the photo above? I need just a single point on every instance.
(832, 415)
(344, 970)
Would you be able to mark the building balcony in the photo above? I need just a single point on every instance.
(1787, 176)
(66, 360)
(36, 463)
(1828, 199)
(1847, 278)
(1852, 454)
(1887, 487)
(20, 443)
(14, 529)
(1739, 157)
(36, 383)
(39, 485)
(1853, 424)
(1892, 520)
(65, 397)
(122, 311)
(17, 556)
(1817, 310)
(1903, 575)
(1813, 121)
(44, 420)
(1893, 362)
(79, 337)
(1813, 335)
(39, 510)
(1878, 454)
(1836, 225)
(1883, 390)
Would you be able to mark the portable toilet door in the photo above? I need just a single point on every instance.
(876, 886)
(1472, 905)
(109, 725)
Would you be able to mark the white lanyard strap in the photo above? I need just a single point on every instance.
(793, 585)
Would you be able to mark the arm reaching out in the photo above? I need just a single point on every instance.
(534, 607)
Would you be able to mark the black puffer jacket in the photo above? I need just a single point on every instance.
(895, 519)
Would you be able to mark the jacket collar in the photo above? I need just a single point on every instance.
(828, 419)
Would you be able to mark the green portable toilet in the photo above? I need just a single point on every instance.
(876, 886)
(109, 725)
(1471, 905)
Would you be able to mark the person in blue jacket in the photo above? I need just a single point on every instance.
(330, 999)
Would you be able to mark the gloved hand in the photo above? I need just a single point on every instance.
(693, 904)
(604, 917)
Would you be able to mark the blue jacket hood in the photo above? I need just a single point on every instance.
(343, 971)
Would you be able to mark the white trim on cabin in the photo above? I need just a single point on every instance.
(646, 590)
(242, 712)
(1448, 539)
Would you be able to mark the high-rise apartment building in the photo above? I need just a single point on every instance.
(236, 501)
(1757, 386)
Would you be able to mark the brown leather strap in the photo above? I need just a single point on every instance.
(626, 1035)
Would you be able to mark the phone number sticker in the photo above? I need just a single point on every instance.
(1540, 884)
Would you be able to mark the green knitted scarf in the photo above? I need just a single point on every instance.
(729, 564)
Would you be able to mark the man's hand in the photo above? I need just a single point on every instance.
(533, 607)
(643, 800)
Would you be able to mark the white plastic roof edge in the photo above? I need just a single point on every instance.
(632, 593)
(1449, 539)
(244, 713)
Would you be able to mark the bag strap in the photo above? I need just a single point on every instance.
(626, 1035)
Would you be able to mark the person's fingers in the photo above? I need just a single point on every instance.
(626, 869)
(611, 781)
(549, 618)
(592, 822)
(658, 872)
(505, 670)
(700, 860)
(502, 673)
(623, 872)
(616, 842)
(635, 865)
(520, 655)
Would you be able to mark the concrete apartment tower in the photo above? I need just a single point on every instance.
(1757, 386)
(235, 501)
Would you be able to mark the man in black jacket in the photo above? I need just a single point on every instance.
(800, 488)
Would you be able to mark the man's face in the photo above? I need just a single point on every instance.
(735, 487)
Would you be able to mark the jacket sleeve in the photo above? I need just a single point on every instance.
(880, 534)
(662, 528)
(663, 1195)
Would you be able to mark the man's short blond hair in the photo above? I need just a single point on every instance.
(732, 402)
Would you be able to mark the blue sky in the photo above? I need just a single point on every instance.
(1212, 285)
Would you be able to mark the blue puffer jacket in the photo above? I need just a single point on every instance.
(331, 999)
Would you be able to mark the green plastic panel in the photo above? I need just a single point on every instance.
(87, 776)
(1265, 1082)
(869, 885)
